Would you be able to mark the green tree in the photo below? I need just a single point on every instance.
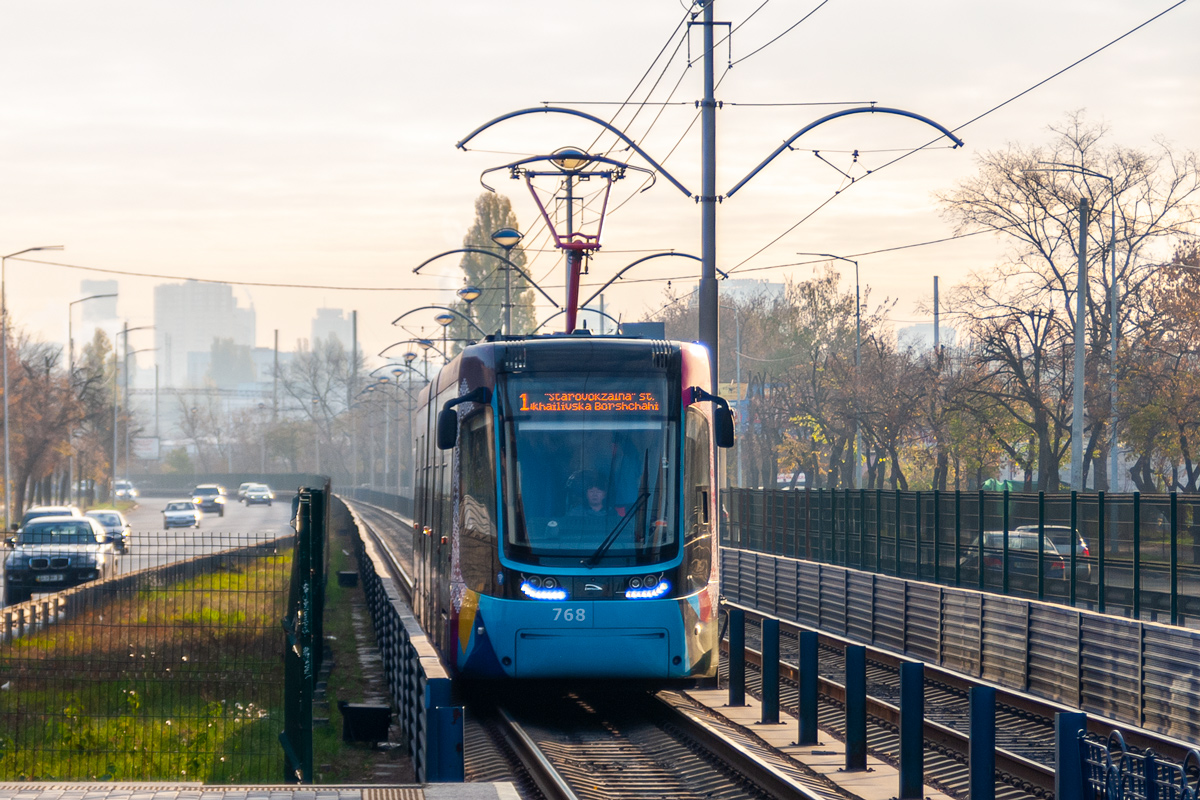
(492, 212)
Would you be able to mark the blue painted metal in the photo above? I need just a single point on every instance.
(856, 707)
(912, 730)
(1068, 771)
(462, 144)
(737, 657)
(770, 671)
(808, 688)
(1114, 771)
(828, 117)
(981, 759)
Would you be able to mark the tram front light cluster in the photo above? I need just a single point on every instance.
(647, 588)
(539, 588)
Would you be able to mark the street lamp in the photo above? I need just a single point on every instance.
(4, 346)
(508, 239)
(72, 490)
(125, 331)
(1112, 254)
(857, 359)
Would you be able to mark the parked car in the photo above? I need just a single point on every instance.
(35, 512)
(53, 553)
(1022, 555)
(124, 490)
(1062, 535)
(182, 514)
(115, 525)
(258, 493)
(242, 490)
(210, 497)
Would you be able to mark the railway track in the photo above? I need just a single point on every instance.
(1024, 725)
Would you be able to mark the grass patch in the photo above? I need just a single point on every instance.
(183, 682)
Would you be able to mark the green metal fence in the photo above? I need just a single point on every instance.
(1133, 555)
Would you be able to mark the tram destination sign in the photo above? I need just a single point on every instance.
(569, 402)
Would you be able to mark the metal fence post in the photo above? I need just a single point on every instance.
(1100, 547)
(937, 536)
(1041, 547)
(917, 532)
(808, 688)
(979, 553)
(981, 758)
(1068, 764)
(856, 707)
(957, 538)
(737, 657)
(1174, 559)
(912, 730)
(1004, 565)
(770, 671)
(878, 530)
(299, 672)
(1074, 537)
(1137, 555)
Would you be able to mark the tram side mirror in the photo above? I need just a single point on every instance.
(447, 431)
(722, 416)
(447, 423)
(723, 426)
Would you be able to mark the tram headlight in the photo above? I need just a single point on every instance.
(534, 581)
(536, 588)
(650, 581)
(635, 583)
(549, 583)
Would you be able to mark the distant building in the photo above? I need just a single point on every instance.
(333, 322)
(920, 337)
(103, 309)
(188, 317)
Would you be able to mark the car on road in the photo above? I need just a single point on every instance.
(1022, 555)
(1062, 536)
(124, 490)
(258, 493)
(181, 514)
(241, 494)
(115, 525)
(210, 497)
(53, 553)
(35, 512)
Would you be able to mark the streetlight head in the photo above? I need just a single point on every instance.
(570, 159)
(410, 357)
(424, 343)
(470, 293)
(444, 319)
(507, 237)
(398, 372)
(383, 378)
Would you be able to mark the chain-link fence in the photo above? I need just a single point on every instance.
(1129, 554)
(164, 664)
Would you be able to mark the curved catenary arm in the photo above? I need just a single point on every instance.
(458, 314)
(522, 272)
(462, 145)
(581, 310)
(843, 113)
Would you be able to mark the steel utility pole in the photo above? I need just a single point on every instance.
(709, 327)
(1080, 309)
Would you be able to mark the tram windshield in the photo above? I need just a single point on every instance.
(590, 470)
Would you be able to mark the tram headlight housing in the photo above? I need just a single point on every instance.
(536, 587)
(650, 587)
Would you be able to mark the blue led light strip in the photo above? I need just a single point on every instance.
(648, 594)
(543, 594)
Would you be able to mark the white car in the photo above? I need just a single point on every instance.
(124, 490)
(53, 553)
(181, 514)
(115, 525)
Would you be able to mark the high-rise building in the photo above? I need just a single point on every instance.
(102, 309)
(332, 322)
(188, 317)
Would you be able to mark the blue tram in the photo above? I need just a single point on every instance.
(566, 509)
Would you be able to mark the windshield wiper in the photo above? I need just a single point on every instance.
(643, 496)
(595, 557)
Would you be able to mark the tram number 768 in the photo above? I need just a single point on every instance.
(570, 614)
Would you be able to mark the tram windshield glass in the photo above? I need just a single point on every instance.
(589, 470)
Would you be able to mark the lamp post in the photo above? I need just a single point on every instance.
(72, 490)
(857, 360)
(4, 347)
(125, 331)
(1112, 254)
(410, 357)
(508, 239)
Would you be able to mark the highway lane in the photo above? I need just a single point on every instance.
(151, 546)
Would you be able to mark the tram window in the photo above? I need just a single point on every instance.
(697, 459)
(477, 514)
(589, 469)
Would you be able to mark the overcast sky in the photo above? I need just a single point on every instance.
(313, 143)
